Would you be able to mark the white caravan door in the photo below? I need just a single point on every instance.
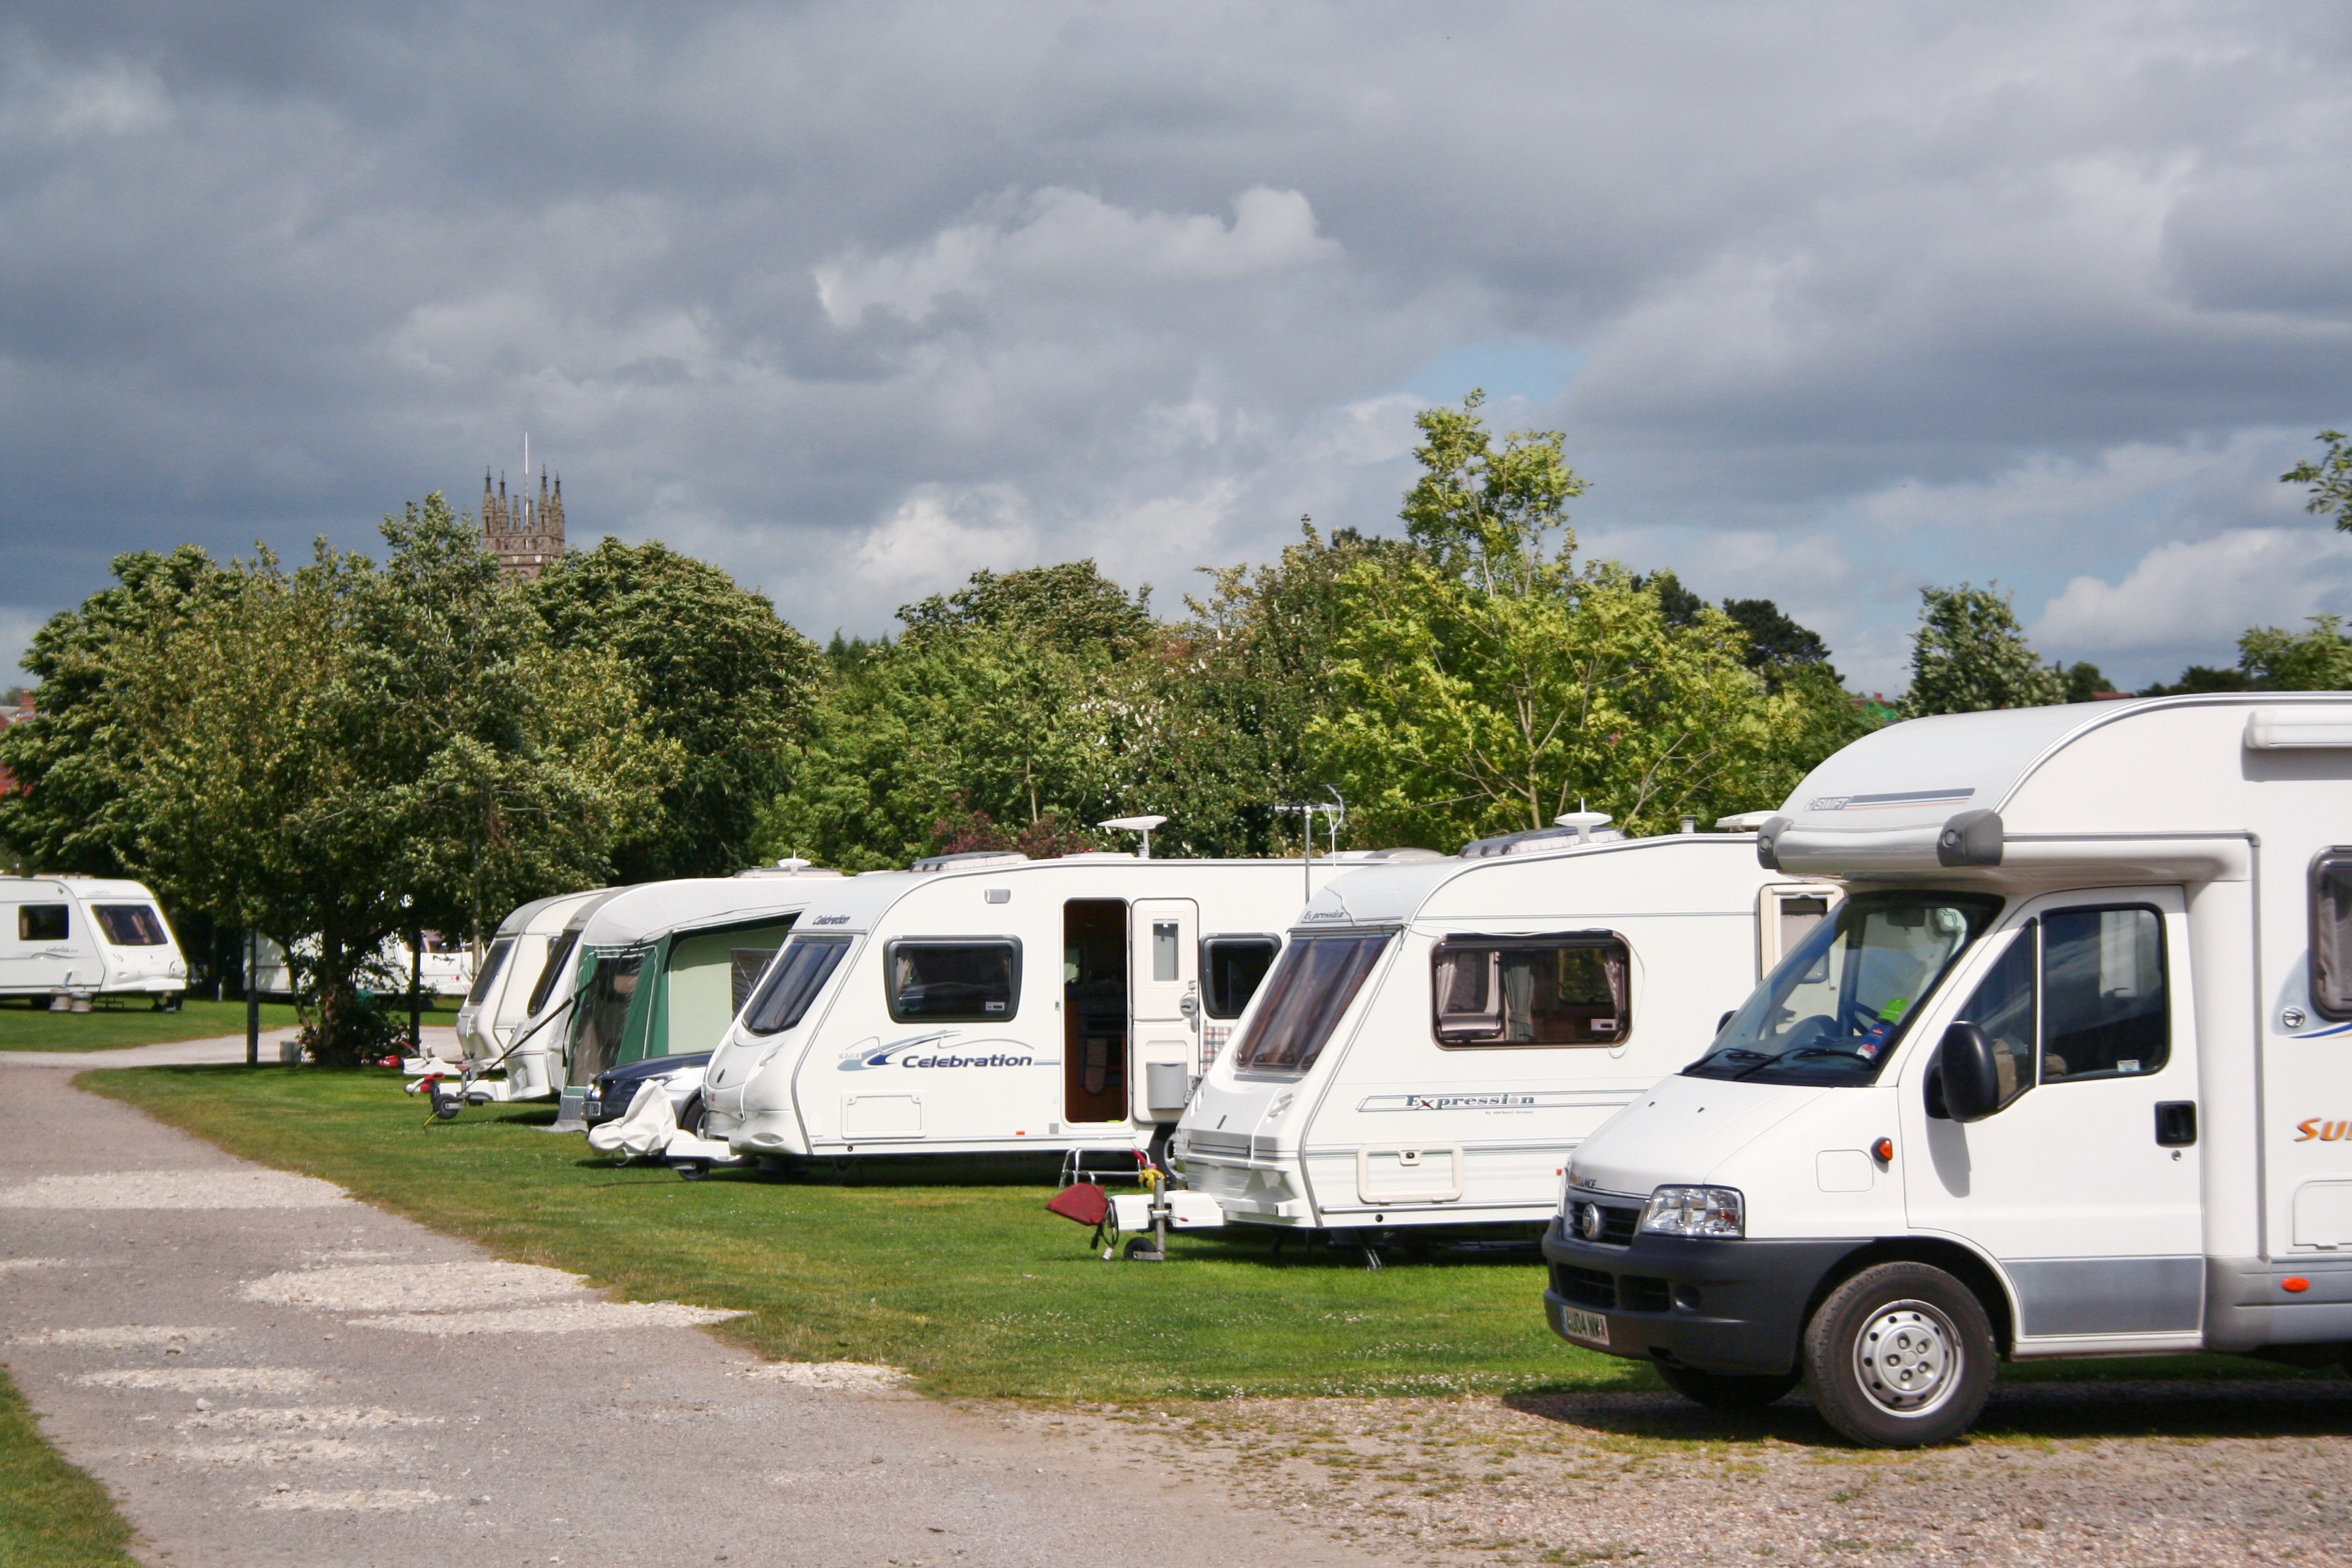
(1163, 959)
(2085, 1184)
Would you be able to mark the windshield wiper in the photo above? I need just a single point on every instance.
(1800, 1052)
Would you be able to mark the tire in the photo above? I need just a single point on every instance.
(1899, 1356)
(693, 1170)
(1727, 1390)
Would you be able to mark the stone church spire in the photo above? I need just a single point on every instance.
(524, 534)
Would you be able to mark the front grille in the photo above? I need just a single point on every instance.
(1637, 1294)
(1585, 1286)
(1618, 1222)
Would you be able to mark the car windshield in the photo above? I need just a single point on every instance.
(1833, 1010)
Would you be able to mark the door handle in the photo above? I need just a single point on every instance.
(2175, 1124)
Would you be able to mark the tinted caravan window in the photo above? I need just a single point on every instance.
(1565, 990)
(1310, 989)
(954, 982)
(41, 922)
(2331, 935)
(131, 925)
(492, 962)
(808, 962)
(559, 953)
(1231, 968)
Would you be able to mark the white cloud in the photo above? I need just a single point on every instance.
(2187, 602)
(939, 534)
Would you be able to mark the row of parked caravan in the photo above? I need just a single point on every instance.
(2011, 1034)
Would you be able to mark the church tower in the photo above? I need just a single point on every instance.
(524, 534)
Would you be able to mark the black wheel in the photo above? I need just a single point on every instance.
(1727, 1390)
(693, 1170)
(1899, 1356)
(447, 1107)
(1140, 1250)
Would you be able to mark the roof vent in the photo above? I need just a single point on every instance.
(970, 860)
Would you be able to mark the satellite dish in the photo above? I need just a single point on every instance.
(1143, 824)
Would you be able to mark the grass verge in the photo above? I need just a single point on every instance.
(52, 1514)
(956, 1273)
(107, 1027)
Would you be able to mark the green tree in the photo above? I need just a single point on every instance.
(340, 751)
(2083, 681)
(2330, 479)
(1969, 654)
(2320, 659)
(716, 674)
(1489, 685)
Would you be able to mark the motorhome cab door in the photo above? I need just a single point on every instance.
(1164, 958)
(2085, 1184)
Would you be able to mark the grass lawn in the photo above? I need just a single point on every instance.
(104, 1027)
(959, 1275)
(52, 1515)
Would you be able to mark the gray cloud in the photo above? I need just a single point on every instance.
(1831, 301)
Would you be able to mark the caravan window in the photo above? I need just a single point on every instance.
(1306, 993)
(1570, 989)
(808, 962)
(954, 982)
(559, 953)
(41, 922)
(131, 925)
(1231, 968)
(2331, 935)
(492, 962)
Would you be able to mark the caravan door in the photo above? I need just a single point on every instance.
(2085, 1184)
(1164, 955)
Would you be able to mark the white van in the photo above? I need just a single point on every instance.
(1438, 1036)
(988, 1003)
(70, 939)
(2068, 1073)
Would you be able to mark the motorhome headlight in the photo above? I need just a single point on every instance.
(1695, 1211)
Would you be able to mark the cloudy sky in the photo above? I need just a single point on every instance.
(1830, 300)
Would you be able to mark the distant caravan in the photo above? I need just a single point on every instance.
(67, 939)
(987, 1003)
(444, 967)
(1439, 1036)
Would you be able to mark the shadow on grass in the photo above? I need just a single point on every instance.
(2188, 1408)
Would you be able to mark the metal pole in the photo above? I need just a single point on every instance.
(415, 998)
(252, 997)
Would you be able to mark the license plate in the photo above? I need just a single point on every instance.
(1590, 1327)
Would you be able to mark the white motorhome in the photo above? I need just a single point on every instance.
(2068, 1073)
(65, 939)
(1438, 1036)
(527, 961)
(989, 1002)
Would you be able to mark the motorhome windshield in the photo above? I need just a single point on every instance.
(1833, 1011)
(492, 962)
(808, 961)
(1311, 986)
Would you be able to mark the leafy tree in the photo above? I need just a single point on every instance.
(2202, 677)
(1776, 644)
(340, 751)
(1969, 654)
(2330, 479)
(1072, 605)
(2084, 682)
(2320, 659)
(1489, 685)
(716, 674)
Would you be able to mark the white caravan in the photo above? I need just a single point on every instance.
(445, 968)
(1438, 1036)
(64, 940)
(2068, 1073)
(530, 960)
(988, 1003)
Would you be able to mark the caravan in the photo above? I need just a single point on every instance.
(2068, 1073)
(987, 1003)
(65, 939)
(506, 1022)
(1438, 1036)
(444, 967)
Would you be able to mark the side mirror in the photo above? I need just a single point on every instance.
(1969, 1075)
(1720, 1022)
